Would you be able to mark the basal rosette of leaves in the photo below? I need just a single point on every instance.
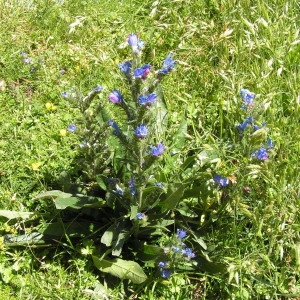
(143, 196)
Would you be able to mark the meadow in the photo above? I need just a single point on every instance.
(225, 181)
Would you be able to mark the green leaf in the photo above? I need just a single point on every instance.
(186, 211)
(134, 211)
(78, 202)
(120, 268)
(210, 154)
(174, 194)
(161, 112)
(32, 239)
(100, 181)
(150, 253)
(259, 138)
(180, 135)
(192, 193)
(6, 273)
(210, 267)
(103, 117)
(119, 242)
(108, 236)
(188, 163)
(11, 214)
(52, 194)
(199, 239)
(72, 229)
(164, 223)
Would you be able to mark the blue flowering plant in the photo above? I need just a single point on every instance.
(176, 254)
(254, 132)
(145, 186)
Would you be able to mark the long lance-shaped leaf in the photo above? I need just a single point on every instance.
(11, 214)
(78, 202)
(161, 112)
(63, 200)
(174, 195)
(52, 194)
(180, 135)
(120, 268)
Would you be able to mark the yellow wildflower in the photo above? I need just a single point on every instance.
(63, 132)
(36, 166)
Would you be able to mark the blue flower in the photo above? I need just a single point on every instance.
(119, 190)
(168, 65)
(176, 249)
(131, 183)
(165, 273)
(115, 97)
(64, 94)
(269, 143)
(62, 71)
(140, 216)
(188, 253)
(147, 100)
(162, 264)
(221, 181)
(256, 127)
(115, 126)
(72, 127)
(133, 41)
(181, 233)
(141, 44)
(141, 131)
(250, 120)
(85, 144)
(125, 68)
(27, 60)
(157, 151)
(98, 88)
(242, 126)
(247, 96)
(261, 153)
(159, 184)
(142, 72)
(132, 187)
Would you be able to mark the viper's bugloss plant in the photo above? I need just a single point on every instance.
(142, 188)
(254, 132)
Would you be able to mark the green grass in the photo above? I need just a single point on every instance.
(220, 47)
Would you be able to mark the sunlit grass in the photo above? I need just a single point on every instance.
(220, 47)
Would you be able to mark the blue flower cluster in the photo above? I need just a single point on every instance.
(248, 98)
(220, 181)
(249, 121)
(158, 150)
(72, 127)
(125, 68)
(135, 43)
(141, 131)
(142, 72)
(147, 100)
(168, 65)
(176, 252)
(115, 97)
(140, 216)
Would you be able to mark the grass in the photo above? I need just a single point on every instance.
(220, 47)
